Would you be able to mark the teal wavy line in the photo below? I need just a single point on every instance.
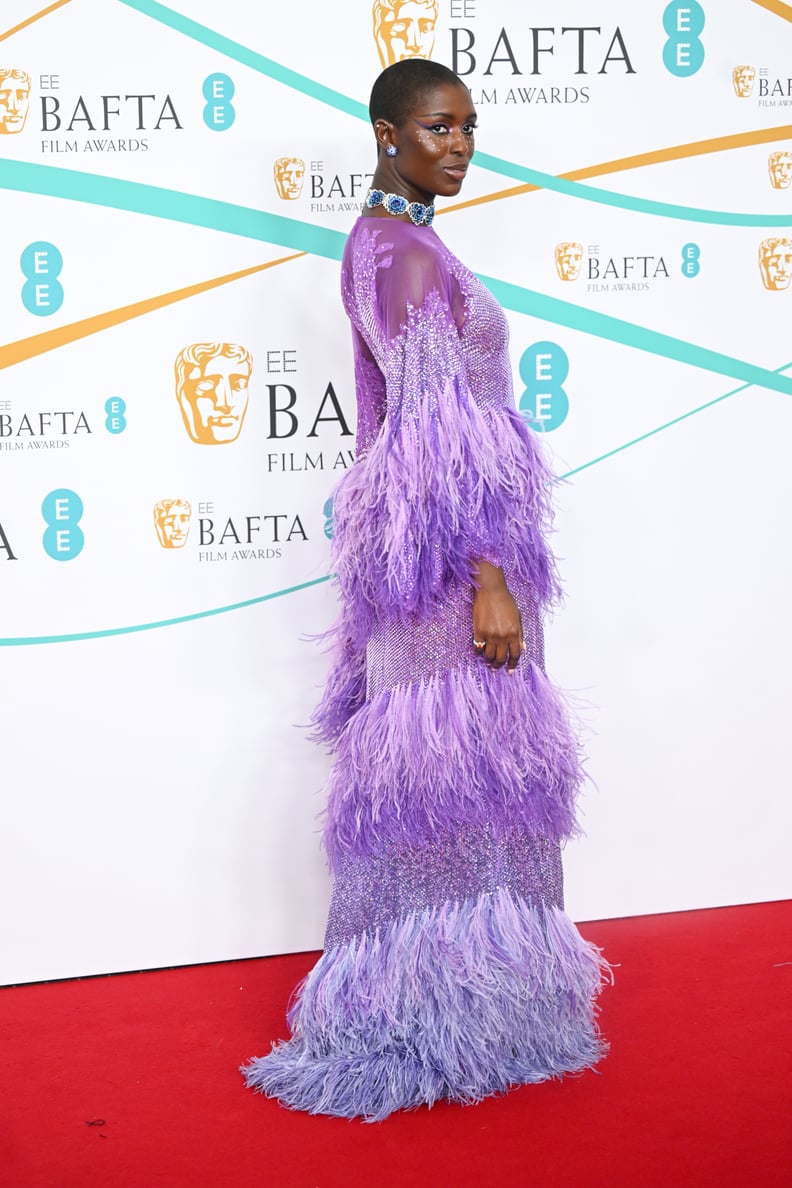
(589, 321)
(322, 241)
(194, 209)
(548, 181)
(77, 636)
(667, 210)
(659, 429)
(23, 641)
(248, 57)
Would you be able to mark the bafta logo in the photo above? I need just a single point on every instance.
(289, 173)
(172, 522)
(568, 259)
(775, 263)
(212, 389)
(14, 100)
(404, 29)
(743, 81)
(779, 166)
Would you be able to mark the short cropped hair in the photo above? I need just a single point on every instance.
(399, 88)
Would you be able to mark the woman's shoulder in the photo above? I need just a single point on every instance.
(397, 239)
(403, 249)
(399, 265)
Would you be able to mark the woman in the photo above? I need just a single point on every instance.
(449, 970)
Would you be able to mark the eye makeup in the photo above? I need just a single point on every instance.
(468, 128)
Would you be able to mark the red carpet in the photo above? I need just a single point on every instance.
(131, 1081)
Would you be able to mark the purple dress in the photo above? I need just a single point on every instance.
(450, 969)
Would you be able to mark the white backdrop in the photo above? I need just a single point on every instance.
(162, 562)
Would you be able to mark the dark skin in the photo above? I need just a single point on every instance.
(434, 148)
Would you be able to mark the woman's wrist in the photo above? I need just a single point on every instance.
(488, 576)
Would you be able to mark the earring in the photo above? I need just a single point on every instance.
(391, 150)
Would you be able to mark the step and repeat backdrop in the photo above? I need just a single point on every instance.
(177, 404)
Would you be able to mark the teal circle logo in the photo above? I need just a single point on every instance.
(683, 53)
(42, 292)
(327, 511)
(543, 369)
(62, 510)
(115, 421)
(218, 91)
(690, 260)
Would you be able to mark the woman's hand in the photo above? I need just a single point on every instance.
(496, 619)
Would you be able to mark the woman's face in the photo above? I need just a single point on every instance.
(435, 143)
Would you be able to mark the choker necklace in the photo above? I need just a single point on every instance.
(418, 212)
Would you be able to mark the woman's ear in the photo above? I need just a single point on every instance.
(384, 134)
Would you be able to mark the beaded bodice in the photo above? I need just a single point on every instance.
(413, 304)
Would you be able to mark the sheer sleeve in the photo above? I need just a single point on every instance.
(451, 479)
(404, 284)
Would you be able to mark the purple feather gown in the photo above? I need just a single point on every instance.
(450, 970)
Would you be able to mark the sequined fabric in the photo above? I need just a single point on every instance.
(370, 893)
(415, 648)
(475, 323)
(450, 969)
(428, 339)
(448, 472)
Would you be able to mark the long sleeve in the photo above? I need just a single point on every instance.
(453, 475)
(450, 969)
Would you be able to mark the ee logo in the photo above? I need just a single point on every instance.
(218, 91)
(115, 421)
(544, 403)
(690, 259)
(62, 511)
(683, 53)
(42, 292)
(327, 512)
